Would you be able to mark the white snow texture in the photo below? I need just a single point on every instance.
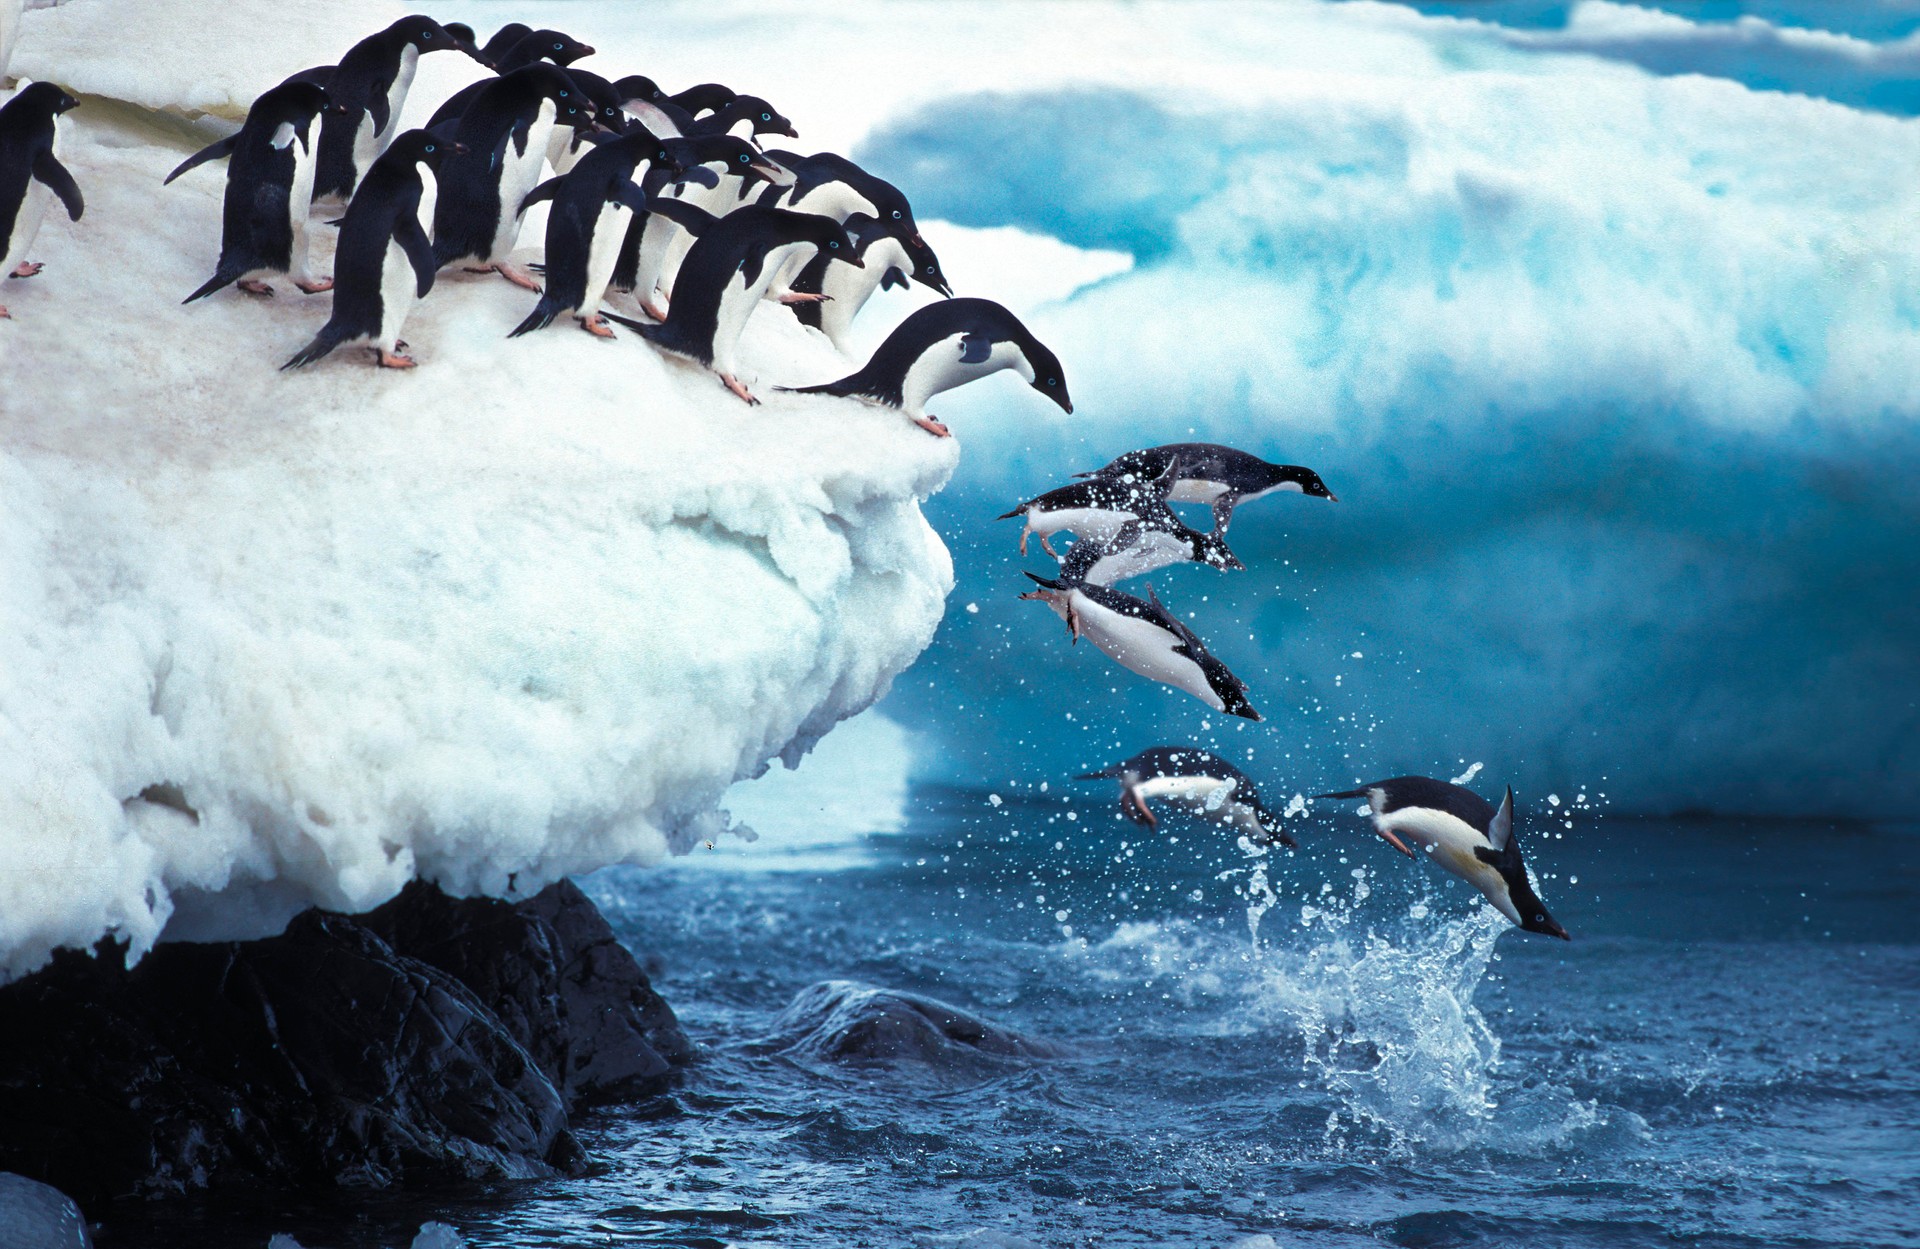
(526, 611)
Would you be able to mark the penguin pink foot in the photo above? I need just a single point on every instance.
(4, 314)
(933, 427)
(388, 360)
(734, 384)
(597, 326)
(519, 277)
(27, 269)
(803, 297)
(257, 288)
(314, 288)
(653, 310)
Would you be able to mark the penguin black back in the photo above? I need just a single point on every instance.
(469, 210)
(26, 154)
(362, 82)
(980, 320)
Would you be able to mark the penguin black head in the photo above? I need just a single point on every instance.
(1308, 481)
(1526, 903)
(639, 87)
(766, 119)
(1048, 377)
(739, 156)
(43, 97)
(302, 99)
(551, 45)
(926, 267)
(425, 147)
(430, 36)
(461, 32)
(833, 240)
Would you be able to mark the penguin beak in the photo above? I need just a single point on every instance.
(1395, 842)
(791, 133)
(586, 49)
(1332, 497)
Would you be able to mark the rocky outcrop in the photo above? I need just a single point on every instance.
(432, 1039)
(843, 1021)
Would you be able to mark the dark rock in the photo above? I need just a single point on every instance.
(843, 1021)
(431, 1040)
(34, 1216)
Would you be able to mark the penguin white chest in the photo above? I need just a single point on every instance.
(33, 210)
(941, 367)
(1147, 553)
(848, 288)
(1090, 524)
(603, 253)
(1450, 842)
(519, 170)
(1143, 647)
(397, 95)
(398, 282)
(741, 297)
(1208, 793)
(300, 198)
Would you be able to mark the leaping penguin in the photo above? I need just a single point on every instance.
(385, 259)
(1093, 511)
(1203, 783)
(946, 345)
(1142, 636)
(1463, 833)
(263, 215)
(1223, 477)
(1153, 539)
(31, 175)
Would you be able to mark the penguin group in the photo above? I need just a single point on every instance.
(667, 213)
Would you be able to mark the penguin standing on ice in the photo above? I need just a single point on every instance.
(1462, 832)
(1222, 477)
(1142, 636)
(587, 224)
(845, 288)
(733, 260)
(829, 183)
(697, 161)
(31, 175)
(504, 131)
(1203, 783)
(263, 217)
(372, 81)
(537, 45)
(946, 345)
(385, 259)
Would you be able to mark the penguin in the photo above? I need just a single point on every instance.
(503, 41)
(372, 81)
(846, 288)
(1094, 511)
(567, 146)
(31, 175)
(588, 224)
(536, 45)
(834, 186)
(477, 216)
(462, 32)
(706, 97)
(1156, 538)
(385, 259)
(946, 345)
(715, 184)
(744, 116)
(1220, 476)
(1463, 833)
(732, 260)
(1143, 637)
(1199, 780)
(263, 220)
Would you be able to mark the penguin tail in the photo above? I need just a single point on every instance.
(1040, 580)
(844, 387)
(539, 319)
(1103, 774)
(1018, 511)
(218, 281)
(644, 329)
(323, 343)
(1349, 793)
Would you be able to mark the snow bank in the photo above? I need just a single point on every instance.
(280, 639)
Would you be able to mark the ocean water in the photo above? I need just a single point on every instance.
(1723, 1056)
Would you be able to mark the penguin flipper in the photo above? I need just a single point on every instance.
(892, 278)
(48, 169)
(689, 218)
(631, 194)
(219, 150)
(1500, 828)
(975, 347)
(545, 191)
(700, 175)
(377, 106)
(419, 249)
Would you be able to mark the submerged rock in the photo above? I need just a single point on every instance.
(844, 1021)
(34, 1216)
(432, 1039)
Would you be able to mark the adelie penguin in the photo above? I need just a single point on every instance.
(586, 226)
(385, 259)
(946, 345)
(536, 45)
(1152, 539)
(371, 81)
(845, 288)
(31, 175)
(1093, 511)
(716, 185)
(1142, 636)
(1221, 477)
(1463, 833)
(1198, 782)
(833, 186)
(727, 271)
(504, 134)
(263, 218)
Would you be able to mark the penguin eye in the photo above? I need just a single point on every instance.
(563, 95)
(426, 34)
(766, 117)
(929, 269)
(557, 48)
(744, 158)
(896, 214)
(835, 246)
(1053, 381)
(429, 147)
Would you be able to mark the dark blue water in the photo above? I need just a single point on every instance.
(1727, 1054)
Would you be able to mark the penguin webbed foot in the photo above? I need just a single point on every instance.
(261, 289)
(653, 309)
(27, 268)
(803, 297)
(1047, 546)
(1023, 540)
(519, 277)
(597, 326)
(737, 387)
(316, 286)
(933, 426)
(4, 314)
(390, 360)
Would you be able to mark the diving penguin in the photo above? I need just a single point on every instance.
(1223, 477)
(945, 345)
(1199, 781)
(1463, 833)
